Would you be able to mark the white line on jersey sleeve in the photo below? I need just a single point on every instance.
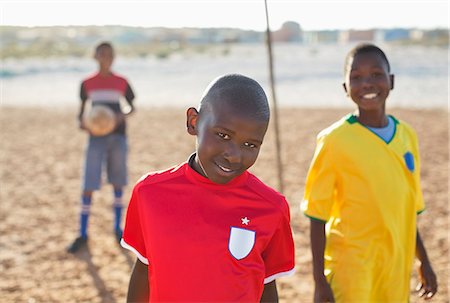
(131, 248)
(278, 275)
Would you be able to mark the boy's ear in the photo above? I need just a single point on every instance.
(392, 81)
(191, 121)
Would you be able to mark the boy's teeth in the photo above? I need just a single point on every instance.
(224, 168)
(370, 96)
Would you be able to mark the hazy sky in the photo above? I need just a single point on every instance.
(246, 14)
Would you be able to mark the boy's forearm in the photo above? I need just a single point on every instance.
(139, 289)
(80, 114)
(318, 241)
(421, 252)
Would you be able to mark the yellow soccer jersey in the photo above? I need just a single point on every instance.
(368, 191)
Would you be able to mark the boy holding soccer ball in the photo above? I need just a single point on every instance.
(105, 89)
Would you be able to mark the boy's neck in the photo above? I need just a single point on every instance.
(195, 164)
(105, 73)
(371, 119)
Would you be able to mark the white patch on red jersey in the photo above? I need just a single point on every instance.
(241, 242)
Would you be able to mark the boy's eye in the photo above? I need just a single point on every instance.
(376, 74)
(250, 145)
(223, 136)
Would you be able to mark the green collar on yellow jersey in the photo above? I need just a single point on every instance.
(351, 118)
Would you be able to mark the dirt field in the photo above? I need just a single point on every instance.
(41, 157)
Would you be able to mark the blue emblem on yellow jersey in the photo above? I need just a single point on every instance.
(409, 161)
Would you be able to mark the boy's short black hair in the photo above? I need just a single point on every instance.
(239, 91)
(102, 45)
(364, 48)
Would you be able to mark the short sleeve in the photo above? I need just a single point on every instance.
(319, 193)
(133, 237)
(279, 255)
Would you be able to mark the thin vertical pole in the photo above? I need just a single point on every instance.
(274, 102)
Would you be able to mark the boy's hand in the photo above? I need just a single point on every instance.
(128, 109)
(323, 293)
(427, 286)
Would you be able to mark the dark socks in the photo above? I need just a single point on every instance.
(84, 217)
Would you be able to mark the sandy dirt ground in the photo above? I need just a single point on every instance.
(41, 157)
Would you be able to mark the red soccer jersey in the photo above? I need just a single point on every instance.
(106, 89)
(208, 242)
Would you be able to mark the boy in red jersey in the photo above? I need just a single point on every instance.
(104, 88)
(208, 230)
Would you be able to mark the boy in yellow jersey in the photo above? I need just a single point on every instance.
(363, 195)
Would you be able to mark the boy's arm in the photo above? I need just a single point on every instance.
(270, 293)
(322, 290)
(83, 97)
(139, 288)
(427, 286)
(129, 96)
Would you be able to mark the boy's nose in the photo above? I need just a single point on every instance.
(232, 153)
(367, 81)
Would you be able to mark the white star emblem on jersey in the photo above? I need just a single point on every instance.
(245, 221)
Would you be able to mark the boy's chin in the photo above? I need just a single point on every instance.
(223, 178)
(370, 105)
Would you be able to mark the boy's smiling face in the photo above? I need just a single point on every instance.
(368, 82)
(228, 140)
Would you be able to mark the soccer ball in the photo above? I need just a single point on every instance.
(100, 120)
